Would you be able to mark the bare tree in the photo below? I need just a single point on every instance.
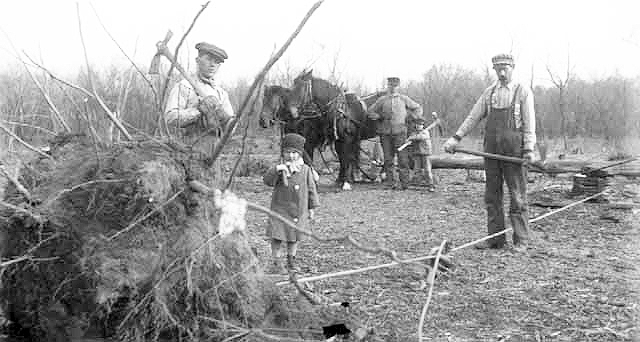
(562, 85)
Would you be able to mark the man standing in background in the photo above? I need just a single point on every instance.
(391, 111)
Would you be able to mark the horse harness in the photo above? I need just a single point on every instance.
(309, 109)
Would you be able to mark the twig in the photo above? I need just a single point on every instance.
(27, 145)
(53, 107)
(38, 85)
(199, 187)
(229, 130)
(97, 181)
(536, 219)
(153, 90)
(30, 126)
(432, 281)
(21, 189)
(175, 53)
(244, 139)
(162, 278)
(68, 84)
(21, 210)
(155, 210)
(100, 102)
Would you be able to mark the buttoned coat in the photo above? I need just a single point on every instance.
(292, 201)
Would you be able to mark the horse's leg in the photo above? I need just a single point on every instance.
(357, 176)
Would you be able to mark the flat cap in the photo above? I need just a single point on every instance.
(213, 50)
(393, 80)
(503, 58)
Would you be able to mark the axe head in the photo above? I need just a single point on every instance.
(154, 68)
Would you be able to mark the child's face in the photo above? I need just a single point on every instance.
(419, 126)
(290, 155)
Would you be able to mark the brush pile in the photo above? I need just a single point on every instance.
(117, 245)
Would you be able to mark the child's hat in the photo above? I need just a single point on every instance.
(293, 141)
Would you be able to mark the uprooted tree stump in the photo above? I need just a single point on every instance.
(118, 245)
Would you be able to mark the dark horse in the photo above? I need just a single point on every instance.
(331, 116)
(276, 113)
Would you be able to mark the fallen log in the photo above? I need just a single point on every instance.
(550, 166)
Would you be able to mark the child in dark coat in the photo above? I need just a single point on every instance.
(294, 196)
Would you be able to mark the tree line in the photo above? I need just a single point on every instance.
(605, 108)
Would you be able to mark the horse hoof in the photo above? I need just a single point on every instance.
(346, 186)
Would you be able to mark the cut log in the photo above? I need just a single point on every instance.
(550, 167)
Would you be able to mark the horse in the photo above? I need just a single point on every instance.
(276, 113)
(332, 117)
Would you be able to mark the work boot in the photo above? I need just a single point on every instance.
(292, 265)
(520, 248)
(488, 245)
(276, 266)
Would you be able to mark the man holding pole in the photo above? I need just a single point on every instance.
(509, 131)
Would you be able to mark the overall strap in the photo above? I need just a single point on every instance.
(488, 104)
(516, 96)
(517, 119)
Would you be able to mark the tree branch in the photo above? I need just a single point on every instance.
(106, 109)
(175, 53)
(153, 90)
(27, 145)
(21, 189)
(258, 80)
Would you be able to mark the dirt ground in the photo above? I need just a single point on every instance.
(579, 282)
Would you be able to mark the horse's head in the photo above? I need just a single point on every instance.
(274, 105)
(308, 89)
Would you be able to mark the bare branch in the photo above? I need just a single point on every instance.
(27, 145)
(106, 109)
(177, 50)
(21, 189)
(155, 94)
(53, 107)
(155, 210)
(68, 84)
(258, 80)
(30, 126)
(15, 208)
(37, 83)
(199, 187)
(432, 277)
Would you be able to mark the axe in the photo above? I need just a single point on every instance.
(437, 122)
(163, 50)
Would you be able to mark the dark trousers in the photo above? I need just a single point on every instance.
(390, 144)
(499, 172)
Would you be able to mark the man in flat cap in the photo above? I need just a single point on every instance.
(190, 115)
(391, 111)
(510, 130)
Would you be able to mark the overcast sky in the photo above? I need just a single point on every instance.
(369, 39)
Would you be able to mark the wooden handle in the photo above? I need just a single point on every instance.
(492, 156)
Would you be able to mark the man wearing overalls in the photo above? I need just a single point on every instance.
(509, 131)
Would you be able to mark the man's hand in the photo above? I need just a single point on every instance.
(373, 116)
(208, 105)
(529, 156)
(450, 145)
